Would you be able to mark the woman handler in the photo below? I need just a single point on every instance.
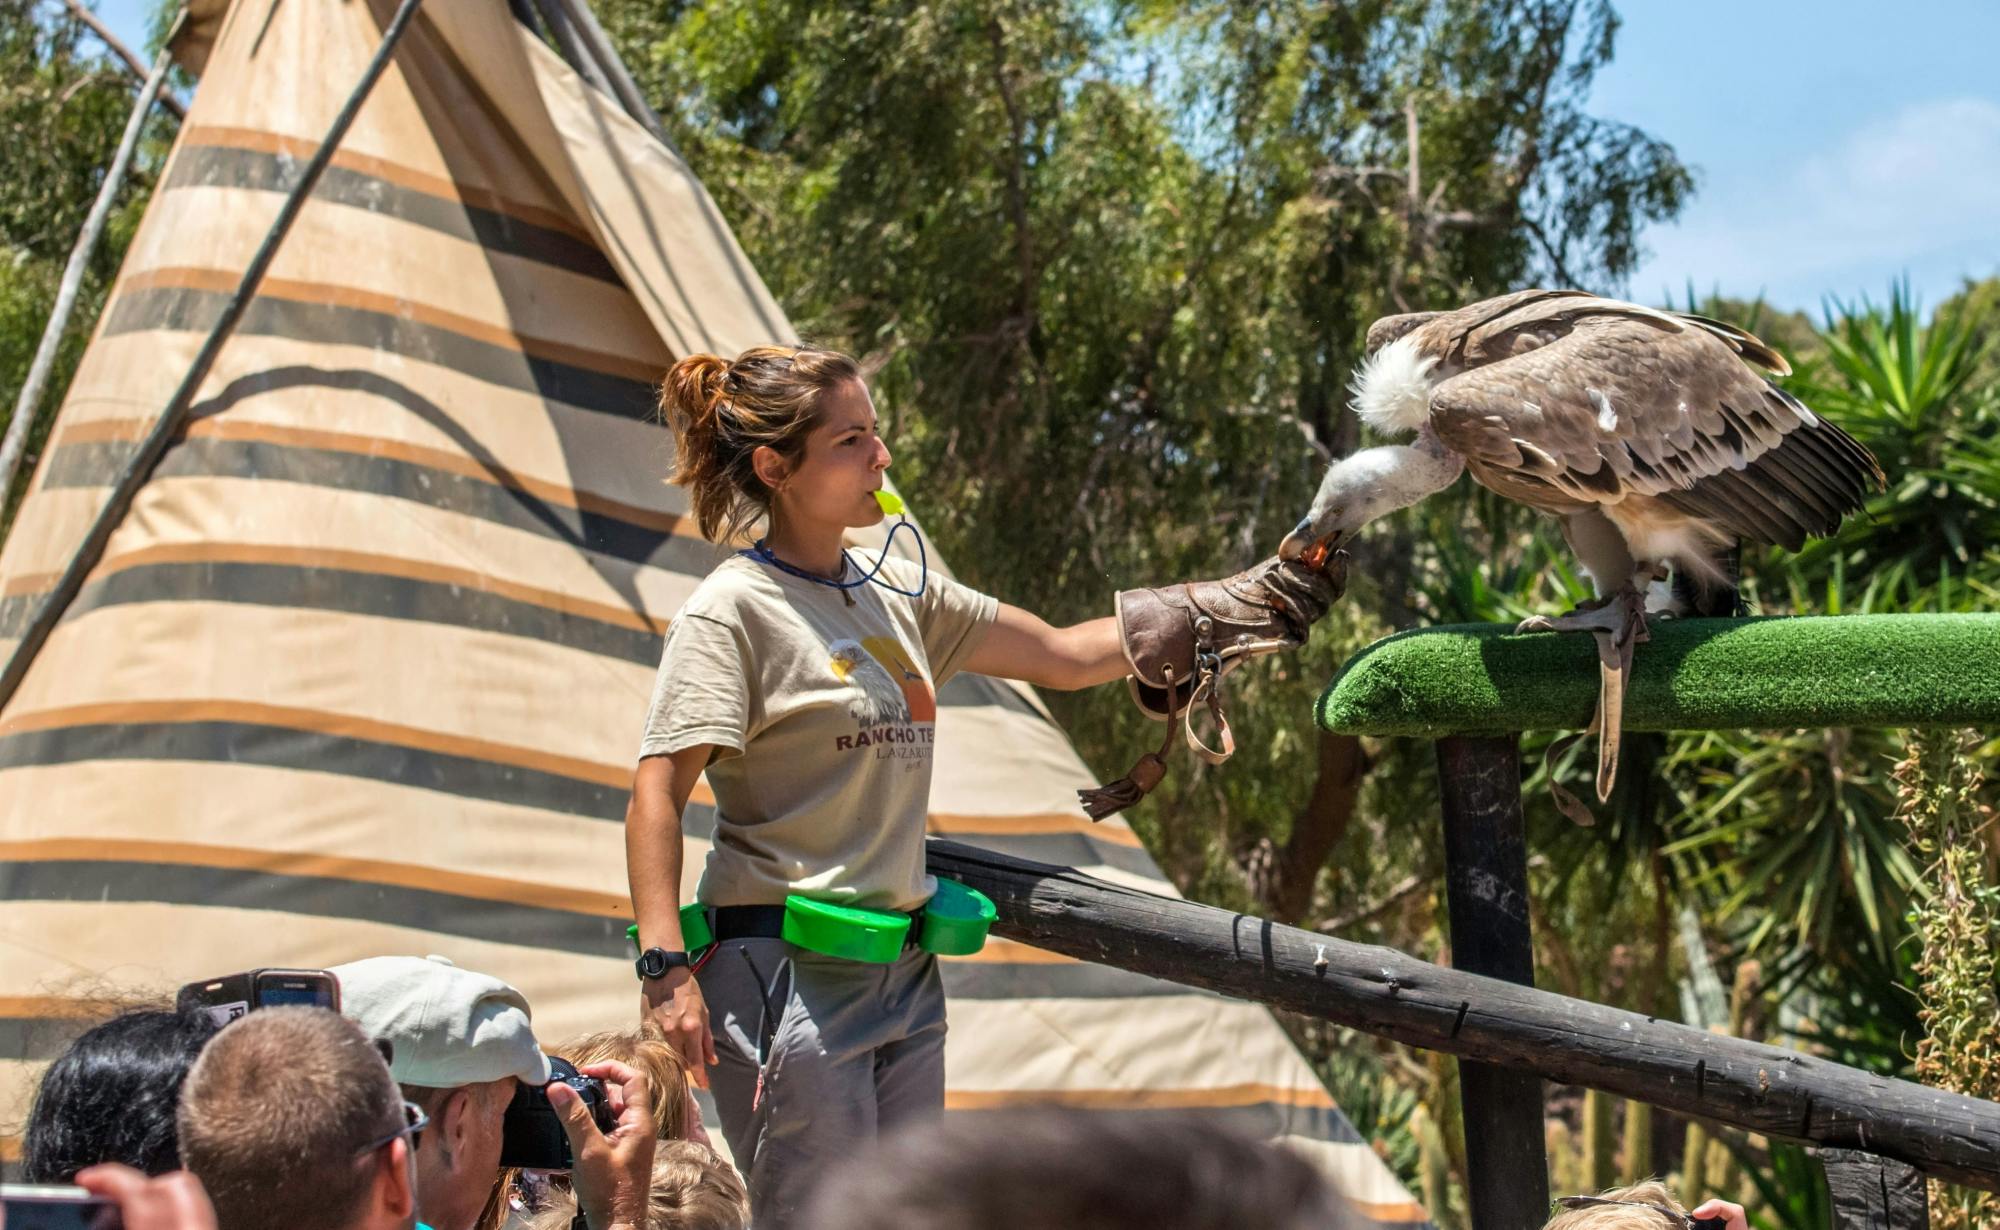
(808, 696)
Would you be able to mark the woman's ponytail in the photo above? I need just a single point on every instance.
(691, 400)
(722, 411)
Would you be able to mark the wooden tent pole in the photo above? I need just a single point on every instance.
(174, 417)
(1389, 994)
(571, 45)
(124, 53)
(611, 67)
(15, 442)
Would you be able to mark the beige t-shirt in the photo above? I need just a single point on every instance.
(824, 716)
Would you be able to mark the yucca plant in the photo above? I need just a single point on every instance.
(1911, 392)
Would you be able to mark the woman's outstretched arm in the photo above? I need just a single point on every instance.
(1020, 645)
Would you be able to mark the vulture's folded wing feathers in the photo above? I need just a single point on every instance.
(1609, 404)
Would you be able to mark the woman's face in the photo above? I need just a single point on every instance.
(835, 481)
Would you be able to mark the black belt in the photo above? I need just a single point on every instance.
(767, 922)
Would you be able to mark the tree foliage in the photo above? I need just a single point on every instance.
(1110, 265)
(63, 105)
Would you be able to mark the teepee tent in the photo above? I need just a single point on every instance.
(363, 668)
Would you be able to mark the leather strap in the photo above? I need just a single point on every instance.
(749, 922)
(767, 922)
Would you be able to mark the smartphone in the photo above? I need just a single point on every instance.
(228, 997)
(31, 1207)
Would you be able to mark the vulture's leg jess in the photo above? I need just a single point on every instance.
(1614, 667)
(1618, 624)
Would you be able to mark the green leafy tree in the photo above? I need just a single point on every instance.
(1109, 268)
(63, 105)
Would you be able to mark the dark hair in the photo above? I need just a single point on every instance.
(111, 1096)
(721, 410)
(1082, 1170)
(275, 1115)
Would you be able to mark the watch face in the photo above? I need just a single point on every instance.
(657, 961)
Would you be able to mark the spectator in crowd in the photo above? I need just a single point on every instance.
(693, 1189)
(111, 1096)
(646, 1049)
(170, 1202)
(1049, 1166)
(674, 1112)
(462, 1042)
(291, 1122)
(1643, 1206)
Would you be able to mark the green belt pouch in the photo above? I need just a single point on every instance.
(956, 921)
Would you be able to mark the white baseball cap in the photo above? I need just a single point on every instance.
(449, 1026)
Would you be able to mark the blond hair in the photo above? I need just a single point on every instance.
(693, 1189)
(723, 410)
(1621, 1217)
(648, 1050)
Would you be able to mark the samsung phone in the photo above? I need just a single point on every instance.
(232, 995)
(57, 1208)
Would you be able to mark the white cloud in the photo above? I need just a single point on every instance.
(1918, 190)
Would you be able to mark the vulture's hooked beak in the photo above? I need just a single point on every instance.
(1303, 544)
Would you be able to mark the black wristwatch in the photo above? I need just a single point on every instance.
(655, 962)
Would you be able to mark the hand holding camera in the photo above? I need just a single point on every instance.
(110, 1197)
(613, 1168)
(170, 1202)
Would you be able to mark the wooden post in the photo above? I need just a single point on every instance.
(1388, 994)
(1874, 1193)
(1486, 889)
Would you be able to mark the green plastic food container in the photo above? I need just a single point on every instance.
(875, 936)
(956, 920)
(695, 934)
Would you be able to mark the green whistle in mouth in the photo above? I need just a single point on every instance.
(892, 504)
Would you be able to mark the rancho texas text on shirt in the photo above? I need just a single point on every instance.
(824, 717)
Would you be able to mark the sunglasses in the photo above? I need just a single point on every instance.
(414, 1123)
(1673, 1215)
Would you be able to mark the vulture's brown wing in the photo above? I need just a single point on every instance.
(1618, 405)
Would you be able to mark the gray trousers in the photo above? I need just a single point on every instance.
(815, 1056)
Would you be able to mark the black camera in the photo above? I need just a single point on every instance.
(532, 1136)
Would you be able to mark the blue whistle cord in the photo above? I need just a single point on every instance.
(761, 553)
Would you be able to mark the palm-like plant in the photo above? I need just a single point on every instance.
(1790, 835)
(1911, 392)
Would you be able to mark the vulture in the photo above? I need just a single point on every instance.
(1649, 435)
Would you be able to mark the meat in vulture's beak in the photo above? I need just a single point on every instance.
(1303, 544)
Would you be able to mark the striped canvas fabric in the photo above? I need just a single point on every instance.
(364, 669)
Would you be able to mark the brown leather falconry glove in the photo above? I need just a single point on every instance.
(1181, 640)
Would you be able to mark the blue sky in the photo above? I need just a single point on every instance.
(1839, 143)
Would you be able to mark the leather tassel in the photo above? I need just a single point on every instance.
(1114, 797)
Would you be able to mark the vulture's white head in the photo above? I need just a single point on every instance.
(1392, 394)
(1369, 484)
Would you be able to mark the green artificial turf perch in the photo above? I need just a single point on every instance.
(1695, 674)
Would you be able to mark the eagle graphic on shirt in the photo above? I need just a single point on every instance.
(890, 687)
